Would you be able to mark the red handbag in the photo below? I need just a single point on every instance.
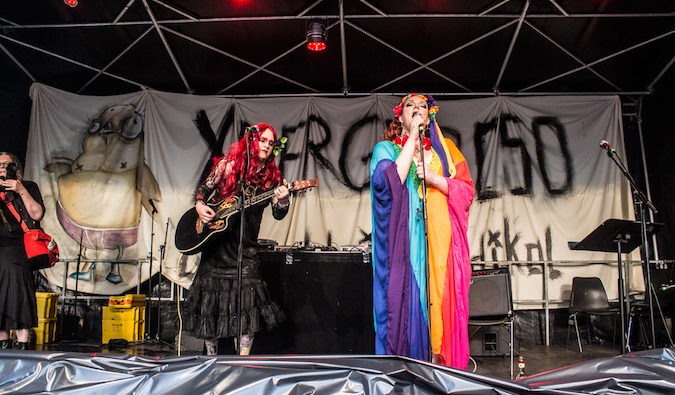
(41, 249)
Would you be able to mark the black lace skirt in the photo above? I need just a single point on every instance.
(210, 309)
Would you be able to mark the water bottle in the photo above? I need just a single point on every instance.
(521, 368)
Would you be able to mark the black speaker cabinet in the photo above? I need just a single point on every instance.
(490, 293)
(490, 341)
(327, 298)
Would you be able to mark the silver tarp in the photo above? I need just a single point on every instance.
(29, 372)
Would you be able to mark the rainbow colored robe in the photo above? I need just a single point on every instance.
(402, 322)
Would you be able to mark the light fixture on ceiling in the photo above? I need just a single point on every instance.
(316, 36)
(72, 3)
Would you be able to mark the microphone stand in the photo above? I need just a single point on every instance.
(158, 294)
(65, 288)
(162, 250)
(240, 252)
(427, 273)
(152, 238)
(643, 203)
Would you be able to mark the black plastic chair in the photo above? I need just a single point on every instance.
(588, 298)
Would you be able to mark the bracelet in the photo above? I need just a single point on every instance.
(200, 201)
(280, 206)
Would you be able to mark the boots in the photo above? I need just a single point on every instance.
(6, 344)
(211, 346)
(22, 346)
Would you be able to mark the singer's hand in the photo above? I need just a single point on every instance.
(424, 172)
(205, 212)
(415, 124)
(431, 178)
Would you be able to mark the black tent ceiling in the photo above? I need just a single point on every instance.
(255, 47)
(456, 48)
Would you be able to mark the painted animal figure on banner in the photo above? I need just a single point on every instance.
(102, 191)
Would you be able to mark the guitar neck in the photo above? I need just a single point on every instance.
(251, 201)
(259, 198)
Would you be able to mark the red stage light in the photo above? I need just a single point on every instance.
(316, 36)
(316, 46)
(72, 3)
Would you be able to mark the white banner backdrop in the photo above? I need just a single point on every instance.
(541, 178)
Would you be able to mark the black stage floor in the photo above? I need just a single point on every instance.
(537, 358)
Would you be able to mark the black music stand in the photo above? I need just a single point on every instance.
(620, 236)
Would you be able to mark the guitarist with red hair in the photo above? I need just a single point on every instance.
(211, 305)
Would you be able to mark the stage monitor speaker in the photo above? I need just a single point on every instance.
(327, 298)
(490, 293)
(490, 341)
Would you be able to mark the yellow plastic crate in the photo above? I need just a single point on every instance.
(127, 301)
(123, 323)
(123, 314)
(46, 304)
(119, 329)
(45, 332)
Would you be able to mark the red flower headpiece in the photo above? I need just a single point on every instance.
(401, 141)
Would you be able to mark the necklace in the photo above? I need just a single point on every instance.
(402, 140)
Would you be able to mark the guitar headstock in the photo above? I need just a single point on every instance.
(299, 185)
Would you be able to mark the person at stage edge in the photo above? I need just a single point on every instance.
(211, 303)
(18, 307)
(403, 322)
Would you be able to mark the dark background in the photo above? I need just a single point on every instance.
(451, 48)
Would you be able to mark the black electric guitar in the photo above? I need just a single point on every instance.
(192, 234)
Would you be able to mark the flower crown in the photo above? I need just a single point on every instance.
(433, 108)
(277, 145)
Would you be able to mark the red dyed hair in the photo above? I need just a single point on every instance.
(394, 129)
(270, 175)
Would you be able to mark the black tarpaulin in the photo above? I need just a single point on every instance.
(30, 372)
(645, 372)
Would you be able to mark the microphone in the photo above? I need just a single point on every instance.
(154, 210)
(252, 130)
(421, 127)
(604, 144)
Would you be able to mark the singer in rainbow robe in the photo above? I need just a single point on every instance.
(404, 324)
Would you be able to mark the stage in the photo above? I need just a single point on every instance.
(538, 358)
(96, 369)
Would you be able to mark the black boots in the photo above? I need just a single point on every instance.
(7, 344)
(22, 346)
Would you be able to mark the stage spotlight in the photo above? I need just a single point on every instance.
(72, 3)
(316, 36)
